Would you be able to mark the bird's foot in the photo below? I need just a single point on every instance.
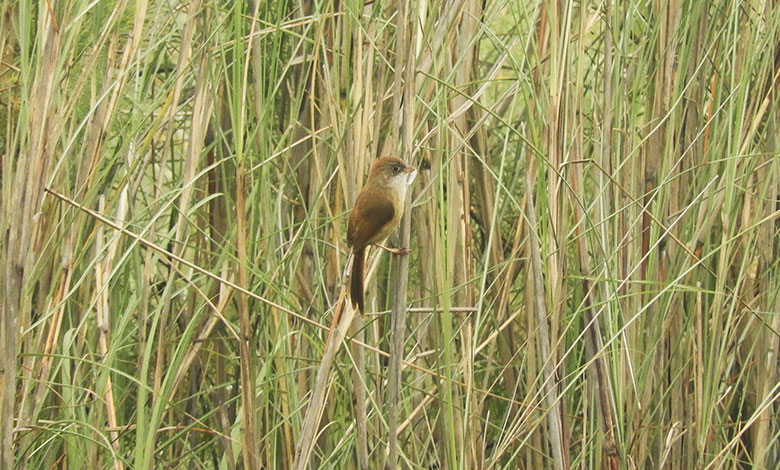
(395, 251)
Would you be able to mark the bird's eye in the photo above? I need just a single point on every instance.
(396, 168)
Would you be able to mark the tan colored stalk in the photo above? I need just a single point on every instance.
(23, 222)
(550, 397)
(403, 120)
(316, 406)
(362, 78)
(249, 442)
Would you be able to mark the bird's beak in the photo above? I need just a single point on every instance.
(412, 172)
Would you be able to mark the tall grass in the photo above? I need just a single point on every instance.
(594, 279)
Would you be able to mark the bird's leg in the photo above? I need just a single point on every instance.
(395, 251)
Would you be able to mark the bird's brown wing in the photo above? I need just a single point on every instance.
(375, 214)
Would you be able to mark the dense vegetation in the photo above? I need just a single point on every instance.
(593, 279)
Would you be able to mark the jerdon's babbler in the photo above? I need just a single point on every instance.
(377, 212)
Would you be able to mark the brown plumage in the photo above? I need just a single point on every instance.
(377, 212)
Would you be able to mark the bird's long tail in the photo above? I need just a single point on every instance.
(356, 285)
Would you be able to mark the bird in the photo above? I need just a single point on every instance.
(376, 213)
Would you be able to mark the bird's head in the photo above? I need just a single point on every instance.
(392, 172)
